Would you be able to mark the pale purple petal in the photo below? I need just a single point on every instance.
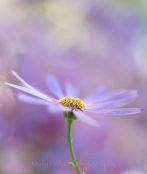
(25, 83)
(56, 108)
(33, 100)
(30, 91)
(95, 95)
(21, 80)
(114, 95)
(81, 116)
(71, 90)
(118, 94)
(122, 111)
(54, 86)
(115, 103)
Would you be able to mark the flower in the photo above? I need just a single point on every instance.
(96, 102)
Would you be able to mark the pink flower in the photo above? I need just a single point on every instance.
(96, 102)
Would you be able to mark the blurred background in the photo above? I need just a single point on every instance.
(91, 43)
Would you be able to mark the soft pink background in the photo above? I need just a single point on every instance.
(90, 43)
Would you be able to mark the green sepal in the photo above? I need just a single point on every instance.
(69, 115)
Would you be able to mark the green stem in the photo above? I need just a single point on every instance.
(69, 123)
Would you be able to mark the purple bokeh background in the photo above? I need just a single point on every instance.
(92, 44)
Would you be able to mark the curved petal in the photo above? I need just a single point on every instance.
(94, 95)
(71, 90)
(115, 103)
(30, 91)
(21, 80)
(30, 99)
(54, 86)
(115, 95)
(123, 111)
(56, 108)
(81, 116)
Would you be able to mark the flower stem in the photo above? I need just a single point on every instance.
(69, 123)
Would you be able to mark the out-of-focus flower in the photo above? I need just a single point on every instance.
(96, 102)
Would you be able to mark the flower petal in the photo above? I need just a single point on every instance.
(54, 86)
(30, 91)
(94, 95)
(122, 111)
(55, 108)
(30, 99)
(115, 95)
(71, 90)
(81, 116)
(21, 80)
(115, 103)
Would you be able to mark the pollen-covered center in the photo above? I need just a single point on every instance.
(72, 103)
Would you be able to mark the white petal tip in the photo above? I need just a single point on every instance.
(96, 125)
(92, 123)
(14, 73)
(7, 83)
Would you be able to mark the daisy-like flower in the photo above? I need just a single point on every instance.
(96, 102)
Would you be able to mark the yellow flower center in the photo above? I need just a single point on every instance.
(72, 103)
